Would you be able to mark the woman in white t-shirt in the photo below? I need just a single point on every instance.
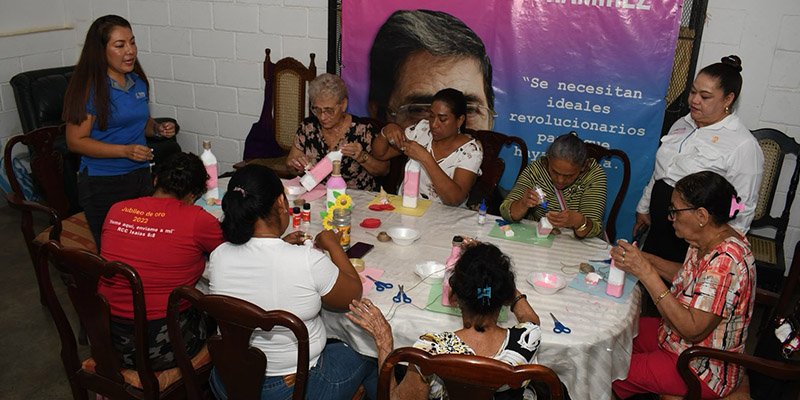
(482, 282)
(257, 265)
(450, 160)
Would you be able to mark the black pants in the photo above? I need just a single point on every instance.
(661, 239)
(99, 193)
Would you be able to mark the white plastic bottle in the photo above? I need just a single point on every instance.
(542, 197)
(616, 281)
(482, 212)
(210, 162)
(411, 184)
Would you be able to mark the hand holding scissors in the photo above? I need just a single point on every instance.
(380, 286)
(559, 328)
(401, 295)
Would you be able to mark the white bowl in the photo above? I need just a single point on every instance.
(546, 282)
(430, 270)
(403, 236)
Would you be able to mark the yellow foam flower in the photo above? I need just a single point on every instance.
(334, 207)
(343, 200)
(327, 222)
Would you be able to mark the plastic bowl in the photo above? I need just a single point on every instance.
(403, 236)
(546, 282)
(430, 270)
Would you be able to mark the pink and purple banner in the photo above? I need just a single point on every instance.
(597, 67)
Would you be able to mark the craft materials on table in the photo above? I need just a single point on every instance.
(559, 327)
(309, 196)
(397, 203)
(379, 286)
(523, 233)
(599, 289)
(367, 284)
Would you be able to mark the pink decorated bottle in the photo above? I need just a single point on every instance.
(320, 170)
(615, 284)
(210, 162)
(450, 264)
(411, 184)
(336, 183)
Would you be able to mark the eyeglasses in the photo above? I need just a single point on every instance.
(323, 111)
(415, 112)
(671, 211)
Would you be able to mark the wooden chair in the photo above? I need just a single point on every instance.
(468, 377)
(600, 153)
(768, 251)
(287, 78)
(492, 168)
(240, 365)
(70, 228)
(102, 373)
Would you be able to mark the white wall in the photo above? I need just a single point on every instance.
(765, 35)
(204, 61)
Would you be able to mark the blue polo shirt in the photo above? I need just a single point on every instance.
(128, 117)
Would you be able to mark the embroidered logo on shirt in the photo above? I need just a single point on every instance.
(139, 95)
(714, 139)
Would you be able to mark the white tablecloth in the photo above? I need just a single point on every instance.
(587, 360)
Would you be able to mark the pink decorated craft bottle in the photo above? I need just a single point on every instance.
(210, 162)
(320, 170)
(450, 264)
(411, 184)
(336, 183)
(615, 284)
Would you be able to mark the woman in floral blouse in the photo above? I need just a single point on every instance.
(331, 128)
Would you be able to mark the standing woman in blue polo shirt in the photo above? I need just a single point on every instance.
(107, 115)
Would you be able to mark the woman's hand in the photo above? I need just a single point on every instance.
(416, 152)
(352, 150)
(137, 152)
(629, 258)
(296, 237)
(369, 317)
(165, 129)
(327, 240)
(297, 162)
(530, 198)
(395, 135)
(643, 221)
(565, 219)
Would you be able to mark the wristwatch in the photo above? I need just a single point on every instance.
(363, 157)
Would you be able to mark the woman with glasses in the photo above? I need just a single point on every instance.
(710, 300)
(574, 189)
(331, 128)
(710, 138)
(450, 160)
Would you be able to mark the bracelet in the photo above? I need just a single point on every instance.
(516, 299)
(661, 296)
(363, 157)
(585, 222)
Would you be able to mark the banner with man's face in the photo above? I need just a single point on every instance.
(534, 69)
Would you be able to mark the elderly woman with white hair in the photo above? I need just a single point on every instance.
(331, 128)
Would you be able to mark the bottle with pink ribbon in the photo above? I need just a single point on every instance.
(210, 162)
(450, 264)
(411, 184)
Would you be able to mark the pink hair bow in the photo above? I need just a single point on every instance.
(735, 206)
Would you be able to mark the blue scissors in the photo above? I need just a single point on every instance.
(401, 295)
(502, 222)
(380, 286)
(559, 328)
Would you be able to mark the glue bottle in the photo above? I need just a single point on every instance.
(411, 184)
(210, 162)
(542, 197)
(482, 212)
(615, 284)
(450, 264)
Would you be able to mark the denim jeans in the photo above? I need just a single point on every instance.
(337, 375)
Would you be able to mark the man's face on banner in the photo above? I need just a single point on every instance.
(423, 74)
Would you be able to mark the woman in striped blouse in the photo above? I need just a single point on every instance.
(574, 188)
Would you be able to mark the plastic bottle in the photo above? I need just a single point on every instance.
(450, 264)
(616, 281)
(210, 162)
(335, 183)
(482, 212)
(296, 218)
(341, 221)
(305, 217)
(319, 171)
(411, 184)
(542, 197)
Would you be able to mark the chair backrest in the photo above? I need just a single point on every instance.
(40, 96)
(240, 365)
(492, 168)
(467, 377)
(775, 145)
(600, 153)
(784, 300)
(81, 272)
(289, 78)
